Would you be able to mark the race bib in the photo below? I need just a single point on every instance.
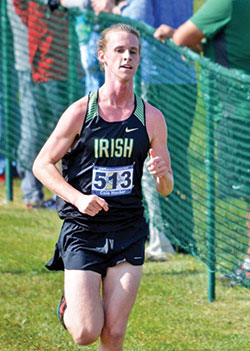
(112, 181)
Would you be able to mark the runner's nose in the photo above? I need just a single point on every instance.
(127, 56)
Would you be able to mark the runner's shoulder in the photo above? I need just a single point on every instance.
(153, 114)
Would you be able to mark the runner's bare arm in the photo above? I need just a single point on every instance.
(159, 164)
(59, 142)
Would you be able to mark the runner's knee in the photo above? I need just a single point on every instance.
(113, 335)
(83, 336)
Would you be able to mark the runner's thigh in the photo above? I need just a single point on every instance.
(82, 294)
(120, 287)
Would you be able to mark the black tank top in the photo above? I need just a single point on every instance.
(107, 160)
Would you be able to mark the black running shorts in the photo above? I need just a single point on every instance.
(80, 249)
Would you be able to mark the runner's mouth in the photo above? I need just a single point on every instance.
(126, 66)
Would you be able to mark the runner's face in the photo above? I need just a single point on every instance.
(121, 56)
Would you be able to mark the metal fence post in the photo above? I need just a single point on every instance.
(210, 188)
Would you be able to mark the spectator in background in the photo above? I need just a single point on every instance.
(226, 27)
(31, 187)
(42, 84)
(174, 215)
(88, 35)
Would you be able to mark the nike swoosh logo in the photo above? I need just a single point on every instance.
(127, 130)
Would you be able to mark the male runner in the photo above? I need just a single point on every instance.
(103, 140)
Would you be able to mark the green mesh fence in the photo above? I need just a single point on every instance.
(206, 110)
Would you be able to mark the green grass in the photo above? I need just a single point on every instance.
(171, 311)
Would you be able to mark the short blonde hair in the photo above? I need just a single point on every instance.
(118, 27)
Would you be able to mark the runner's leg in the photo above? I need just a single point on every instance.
(120, 287)
(84, 315)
